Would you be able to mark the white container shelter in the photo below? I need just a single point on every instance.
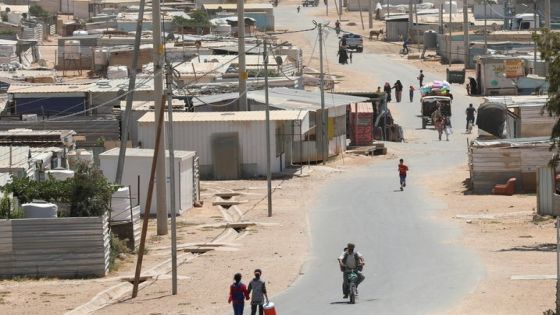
(232, 144)
(136, 174)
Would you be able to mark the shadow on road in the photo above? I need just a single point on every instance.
(546, 247)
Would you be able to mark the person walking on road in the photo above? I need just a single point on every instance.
(258, 289)
(398, 90)
(421, 78)
(342, 55)
(387, 90)
(238, 293)
(403, 169)
(298, 8)
(470, 118)
(411, 90)
(350, 260)
(447, 127)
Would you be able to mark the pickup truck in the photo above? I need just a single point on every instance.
(353, 41)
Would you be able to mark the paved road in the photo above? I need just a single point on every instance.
(411, 266)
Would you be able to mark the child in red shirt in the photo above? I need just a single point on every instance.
(238, 293)
(402, 173)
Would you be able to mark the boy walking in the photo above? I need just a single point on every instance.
(402, 173)
(258, 288)
(237, 295)
(411, 93)
(421, 78)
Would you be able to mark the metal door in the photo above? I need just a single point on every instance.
(225, 156)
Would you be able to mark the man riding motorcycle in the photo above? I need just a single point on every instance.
(350, 260)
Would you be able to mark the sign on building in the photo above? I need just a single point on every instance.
(514, 68)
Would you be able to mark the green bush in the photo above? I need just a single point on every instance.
(88, 192)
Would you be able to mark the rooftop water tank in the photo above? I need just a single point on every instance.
(430, 39)
(120, 205)
(39, 210)
(72, 49)
(60, 174)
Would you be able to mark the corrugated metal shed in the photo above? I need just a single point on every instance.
(233, 6)
(230, 116)
(54, 247)
(290, 99)
(48, 88)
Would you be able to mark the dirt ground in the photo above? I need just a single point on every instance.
(509, 240)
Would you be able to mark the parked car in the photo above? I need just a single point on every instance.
(353, 41)
(310, 3)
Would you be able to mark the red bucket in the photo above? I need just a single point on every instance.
(269, 309)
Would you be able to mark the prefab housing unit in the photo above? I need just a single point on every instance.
(136, 174)
(493, 162)
(232, 144)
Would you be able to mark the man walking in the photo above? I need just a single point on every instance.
(470, 118)
(421, 78)
(258, 289)
(403, 169)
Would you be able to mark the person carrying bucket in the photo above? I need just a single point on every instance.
(258, 289)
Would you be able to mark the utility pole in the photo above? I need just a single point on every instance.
(450, 33)
(324, 141)
(485, 28)
(441, 18)
(161, 179)
(557, 264)
(466, 31)
(130, 95)
(535, 27)
(410, 21)
(547, 14)
(327, 6)
(370, 17)
(170, 146)
(506, 14)
(241, 55)
(268, 171)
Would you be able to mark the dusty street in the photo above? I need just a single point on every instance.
(432, 249)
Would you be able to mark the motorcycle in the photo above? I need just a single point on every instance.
(352, 276)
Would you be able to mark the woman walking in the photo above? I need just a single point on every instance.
(398, 90)
(387, 90)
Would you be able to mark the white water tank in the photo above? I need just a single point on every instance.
(101, 56)
(117, 72)
(120, 205)
(72, 49)
(39, 210)
(59, 174)
(79, 33)
(79, 155)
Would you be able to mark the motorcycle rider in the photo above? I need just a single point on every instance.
(350, 259)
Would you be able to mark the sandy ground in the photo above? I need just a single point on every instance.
(510, 242)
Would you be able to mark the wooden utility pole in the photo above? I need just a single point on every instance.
(410, 21)
(268, 154)
(324, 141)
(370, 16)
(130, 95)
(142, 247)
(241, 56)
(466, 32)
(450, 26)
(161, 180)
